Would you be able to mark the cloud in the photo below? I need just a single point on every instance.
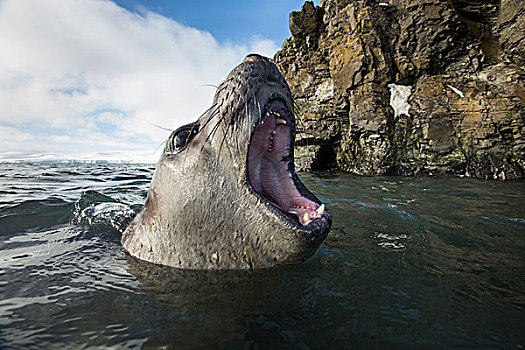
(83, 71)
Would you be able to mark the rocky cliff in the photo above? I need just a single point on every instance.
(409, 87)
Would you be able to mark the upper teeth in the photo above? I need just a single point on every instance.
(279, 121)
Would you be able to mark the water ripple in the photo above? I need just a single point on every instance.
(410, 263)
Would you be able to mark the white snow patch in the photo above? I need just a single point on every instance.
(384, 4)
(461, 95)
(399, 95)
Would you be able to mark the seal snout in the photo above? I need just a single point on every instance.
(253, 57)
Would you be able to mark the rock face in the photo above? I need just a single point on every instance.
(409, 87)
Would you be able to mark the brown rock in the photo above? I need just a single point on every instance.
(303, 23)
(511, 30)
(462, 60)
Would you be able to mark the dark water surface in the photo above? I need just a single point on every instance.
(409, 263)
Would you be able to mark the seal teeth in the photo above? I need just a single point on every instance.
(306, 218)
(320, 210)
(270, 144)
(280, 121)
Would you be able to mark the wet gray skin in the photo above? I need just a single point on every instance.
(225, 194)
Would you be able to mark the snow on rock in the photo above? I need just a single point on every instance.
(399, 95)
(461, 95)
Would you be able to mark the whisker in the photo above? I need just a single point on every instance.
(222, 142)
(209, 85)
(212, 132)
(162, 143)
(160, 127)
(212, 115)
(207, 111)
(258, 105)
(184, 160)
(203, 126)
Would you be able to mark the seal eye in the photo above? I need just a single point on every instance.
(181, 137)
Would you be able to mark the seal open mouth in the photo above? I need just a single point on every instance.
(270, 165)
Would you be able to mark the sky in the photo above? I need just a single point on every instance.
(100, 79)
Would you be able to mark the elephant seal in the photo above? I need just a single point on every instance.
(225, 194)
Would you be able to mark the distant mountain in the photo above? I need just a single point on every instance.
(144, 157)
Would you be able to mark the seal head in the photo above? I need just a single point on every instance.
(225, 193)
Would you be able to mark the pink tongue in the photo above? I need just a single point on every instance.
(269, 175)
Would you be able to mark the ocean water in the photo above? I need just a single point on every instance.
(410, 263)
